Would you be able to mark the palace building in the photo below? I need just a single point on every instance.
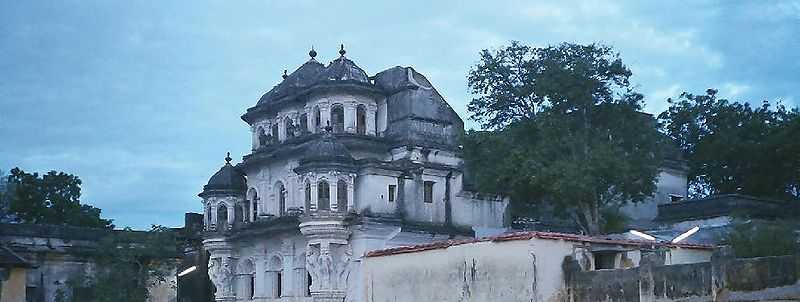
(342, 163)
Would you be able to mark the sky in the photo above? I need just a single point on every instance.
(142, 99)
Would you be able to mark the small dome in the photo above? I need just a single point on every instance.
(228, 180)
(343, 69)
(326, 150)
(301, 78)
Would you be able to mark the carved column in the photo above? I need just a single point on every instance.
(328, 255)
(260, 290)
(371, 111)
(351, 196)
(350, 117)
(221, 269)
(333, 193)
(324, 114)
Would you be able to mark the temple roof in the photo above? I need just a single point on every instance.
(326, 150)
(228, 180)
(303, 77)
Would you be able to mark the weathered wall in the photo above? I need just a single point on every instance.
(723, 279)
(13, 288)
(670, 182)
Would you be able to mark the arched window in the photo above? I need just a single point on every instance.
(263, 140)
(275, 277)
(361, 119)
(289, 128)
(337, 118)
(246, 275)
(341, 196)
(317, 119)
(252, 195)
(304, 123)
(280, 194)
(246, 208)
(274, 131)
(238, 215)
(308, 196)
(208, 216)
(222, 217)
(323, 196)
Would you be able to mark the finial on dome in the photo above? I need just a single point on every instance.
(342, 51)
(284, 76)
(228, 158)
(312, 53)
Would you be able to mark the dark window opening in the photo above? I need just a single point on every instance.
(274, 131)
(361, 119)
(323, 196)
(289, 128)
(317, 120)
(337, 119)
(281, 200)
(428, 194)
(341, 196)
(222, 217)
(675, 197)
(605, 260)
(308, 286)
(280, 285)
(392, 189)
(304, 123)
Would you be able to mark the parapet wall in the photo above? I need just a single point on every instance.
(722, 279)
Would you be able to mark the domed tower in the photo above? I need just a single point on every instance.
(224, 198)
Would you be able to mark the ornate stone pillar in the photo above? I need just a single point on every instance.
(371, 111)
(261, 290)
(221, 266)
(350, 117)
(231, 214)
(281, 129)
(328, 255)
(333, 193)
(309, 119)
(351, 196)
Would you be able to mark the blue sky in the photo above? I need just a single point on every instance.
(142, 99)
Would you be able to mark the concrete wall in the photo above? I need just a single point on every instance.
(13, 288)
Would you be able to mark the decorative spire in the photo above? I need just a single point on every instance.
(228, 159)
(284, 76)
(312, 53)
(342, 51)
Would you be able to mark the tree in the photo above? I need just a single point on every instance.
(750, 239)
(128, 264)
(565, 130)
(732, 147)
(53, 198)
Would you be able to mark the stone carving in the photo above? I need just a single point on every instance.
(312, 258)
(221, 275)
(343, 267)
(328, 265)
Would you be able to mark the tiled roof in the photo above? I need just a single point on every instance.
(10, 259)
(530, 235)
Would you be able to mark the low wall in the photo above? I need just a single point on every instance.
(722, 279)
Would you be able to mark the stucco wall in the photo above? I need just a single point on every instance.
(670, 182)
(13, 288)
(484, 271)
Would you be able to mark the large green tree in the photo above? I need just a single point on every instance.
(52, 198)
(564, 130)
(734, 147)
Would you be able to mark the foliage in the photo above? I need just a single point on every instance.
(52, 198)
(750, 240)
(735, 148)
(564, 130)
(129, 263)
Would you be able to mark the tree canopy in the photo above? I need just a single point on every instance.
(52, 198)
(564, 130)
(733, 147)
